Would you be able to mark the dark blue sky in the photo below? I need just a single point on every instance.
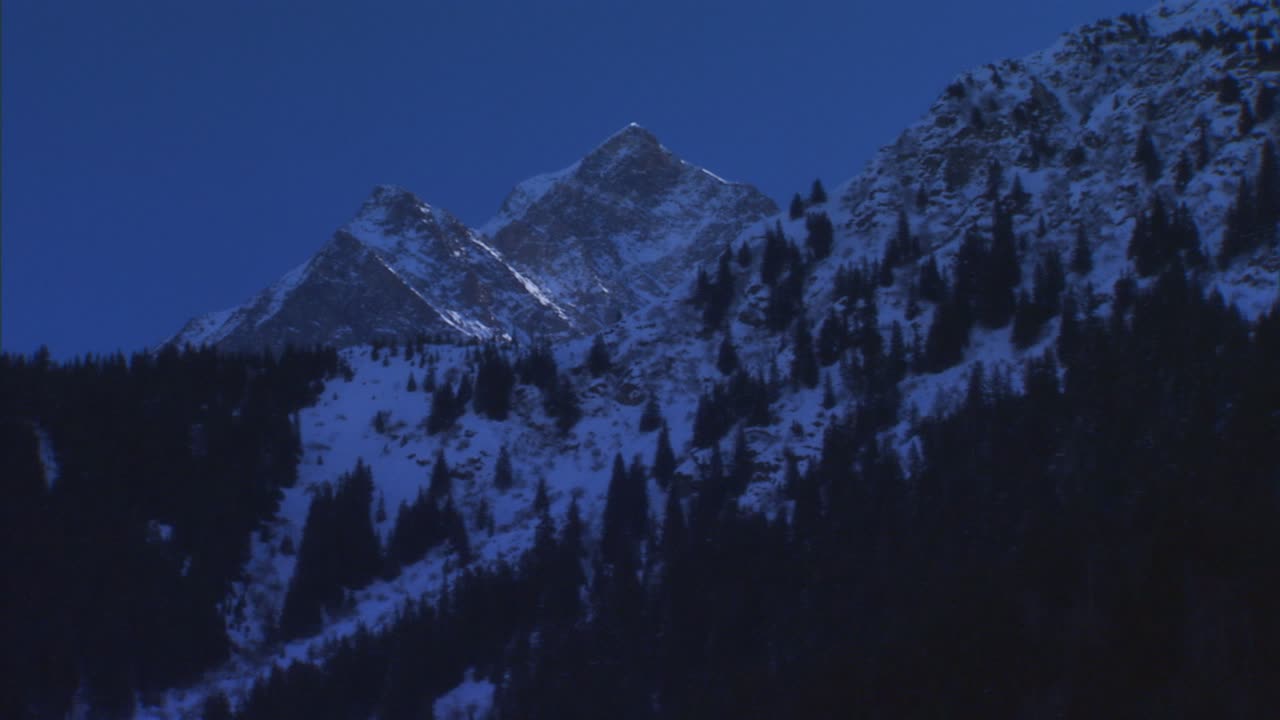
(162, 159)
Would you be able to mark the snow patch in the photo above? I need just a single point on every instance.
(471, 700)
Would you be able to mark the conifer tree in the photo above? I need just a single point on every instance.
(495, 379)
(1146, 156)
(463, 397)
(774, 258)
(1183, 172)
(651, 416)
(1268, 194)
(1069, 330)
(626, 516)
(727, 358)
(441, 482)
(833, 339)
(821, 234)
(804, 364)
(412, 384)
(455, 532)
(1026, 322)
(897, 361)
(664, 460)
(797, 207)
(817, 193)
(744, 461)
(541, 496)
(1081, 254)
(947, 338)
(674, 533)
(503, 476)
(598, 361)
(443, 410)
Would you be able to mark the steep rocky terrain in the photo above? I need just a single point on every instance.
(623, 225)
(570, 252)
(1071, 146)
(399, 268)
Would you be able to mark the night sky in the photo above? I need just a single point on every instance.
(164, 159)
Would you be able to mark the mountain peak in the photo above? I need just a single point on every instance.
(393, 210)
(632, 146)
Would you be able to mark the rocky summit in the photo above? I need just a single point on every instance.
(568, 253)
(626, 223)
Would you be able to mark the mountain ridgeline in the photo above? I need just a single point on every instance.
(987, 430)
(569, 253)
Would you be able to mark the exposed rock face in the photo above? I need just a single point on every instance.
(572, 251)
(626, 223)
(1065, 125)
(398, 269)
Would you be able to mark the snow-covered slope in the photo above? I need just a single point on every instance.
(622, 225)
(399, 269)
(1064, 122)
(571, 251)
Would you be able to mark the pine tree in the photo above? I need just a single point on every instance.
(947, 338)
(744, 461)
(896, 360)
(441, 482)
(541, 497)
(744, 255)
(833, 339)
(821, 234)
(455, 532)
(932, 287)
(1019, 198)
(817, 194)
(674, 532)
(503, 476)
(1081, 254)
(463, 397)
(1026, 322)
(1069, 330)
(1146, 156)
(651, 416)
(361, 551)
(495, 380)
(412, 384)
(664, 460)
(443, 410)
(561, 402)
(1268, 194)
(804, 364)
(625, 516)
(1001, 273)
(1183, 172)
(598, 361)
(774, 258)
(797, 207)
(727, 358)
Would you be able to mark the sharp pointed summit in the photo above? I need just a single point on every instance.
(624, 224)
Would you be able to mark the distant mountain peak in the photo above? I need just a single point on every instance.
(395, 210)
(625, 223)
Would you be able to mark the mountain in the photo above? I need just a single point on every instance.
(623, 225)
(570, 252)
(1053, 446)
(1058, 136)
(400, 268)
